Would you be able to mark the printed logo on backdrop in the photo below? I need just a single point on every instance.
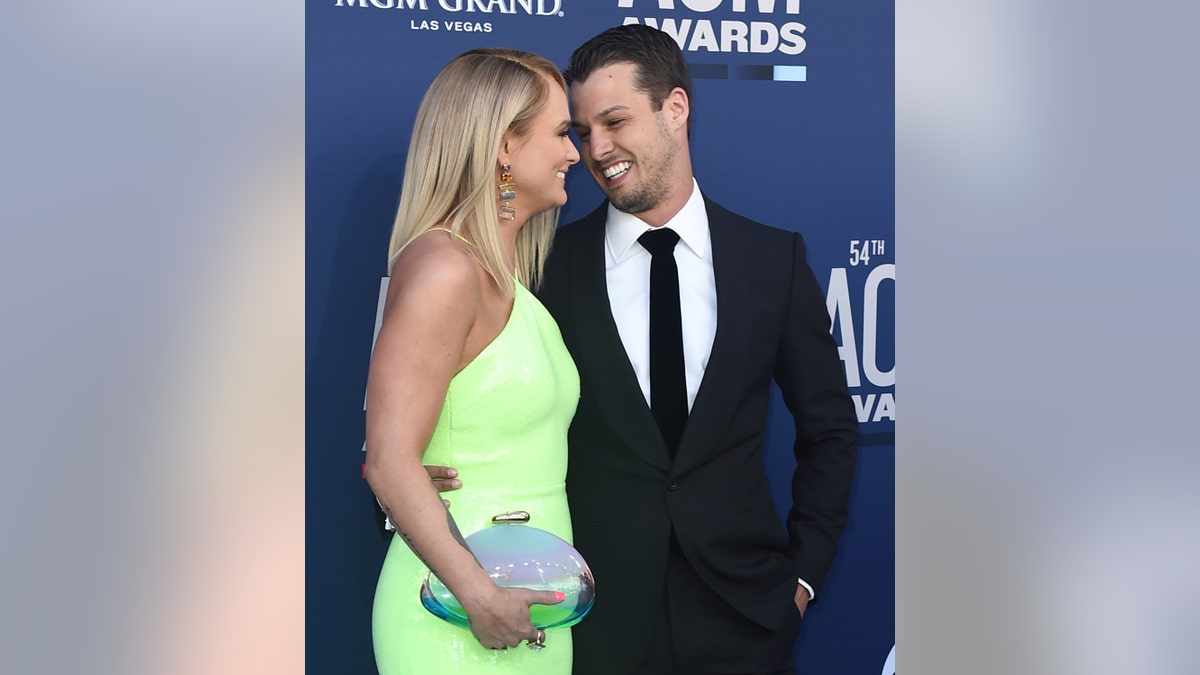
(863, 294)
(768, 30)
(461, 16)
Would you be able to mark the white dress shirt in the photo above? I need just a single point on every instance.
(627, 270)
(627, 273)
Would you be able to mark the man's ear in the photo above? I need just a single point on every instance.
(677, 108)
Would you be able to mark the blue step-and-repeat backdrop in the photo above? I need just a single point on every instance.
(793, 126)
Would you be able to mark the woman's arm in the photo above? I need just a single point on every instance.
(434, 300)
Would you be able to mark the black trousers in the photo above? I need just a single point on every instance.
(699, 633)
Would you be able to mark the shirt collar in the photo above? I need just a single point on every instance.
(691, 224)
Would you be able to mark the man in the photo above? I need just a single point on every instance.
(672, 510)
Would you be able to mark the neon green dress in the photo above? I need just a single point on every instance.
(504, 427)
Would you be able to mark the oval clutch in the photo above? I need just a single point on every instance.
(517, 555)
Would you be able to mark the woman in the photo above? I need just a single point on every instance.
(468, 368)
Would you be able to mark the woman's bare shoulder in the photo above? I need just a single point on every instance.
(435, 265)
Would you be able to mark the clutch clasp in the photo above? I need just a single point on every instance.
(512, 517)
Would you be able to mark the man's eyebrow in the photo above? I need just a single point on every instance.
(602, 114)
(611, 109)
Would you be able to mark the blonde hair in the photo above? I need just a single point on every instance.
(450, 176)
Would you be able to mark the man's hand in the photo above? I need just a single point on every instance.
(801, 599)
(443, 478)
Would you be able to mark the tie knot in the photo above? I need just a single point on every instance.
(659, 241)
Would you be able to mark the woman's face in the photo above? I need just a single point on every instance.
(542, 157)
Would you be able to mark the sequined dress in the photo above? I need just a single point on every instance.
(504, 427)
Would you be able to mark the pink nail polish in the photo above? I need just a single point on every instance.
(559, 596)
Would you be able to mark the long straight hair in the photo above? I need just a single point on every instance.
(450, 176)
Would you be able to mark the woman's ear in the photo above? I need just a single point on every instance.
(504, 154)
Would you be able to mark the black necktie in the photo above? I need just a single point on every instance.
(668, 384)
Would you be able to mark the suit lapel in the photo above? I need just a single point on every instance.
(711, 411)
(602, 355)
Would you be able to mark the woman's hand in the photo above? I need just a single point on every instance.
(500, 618)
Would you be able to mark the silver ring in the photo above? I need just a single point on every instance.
(538, 644)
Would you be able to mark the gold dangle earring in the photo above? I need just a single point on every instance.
(508, 193)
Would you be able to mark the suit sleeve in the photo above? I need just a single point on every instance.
(813, 381)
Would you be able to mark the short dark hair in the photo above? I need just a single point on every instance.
(655, 54)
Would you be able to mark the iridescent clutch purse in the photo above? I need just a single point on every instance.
(517, 555)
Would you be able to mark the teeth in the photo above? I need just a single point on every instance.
(617, 169)
(561, 175)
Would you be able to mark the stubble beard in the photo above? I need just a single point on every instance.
(655, 183)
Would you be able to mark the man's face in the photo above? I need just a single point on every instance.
(626, 145)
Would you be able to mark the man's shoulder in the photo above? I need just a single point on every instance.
(567, 241)
(592, 220)
(747, 228)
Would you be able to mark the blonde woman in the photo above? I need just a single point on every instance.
(469, 369)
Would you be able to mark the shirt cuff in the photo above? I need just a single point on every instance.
(811, 595)
(388, 526)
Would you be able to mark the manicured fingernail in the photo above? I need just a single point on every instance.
(452, 472)
(559, 596)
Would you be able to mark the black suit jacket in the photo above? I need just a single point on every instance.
(626, 494)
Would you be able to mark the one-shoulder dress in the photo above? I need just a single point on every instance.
(504, 427)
